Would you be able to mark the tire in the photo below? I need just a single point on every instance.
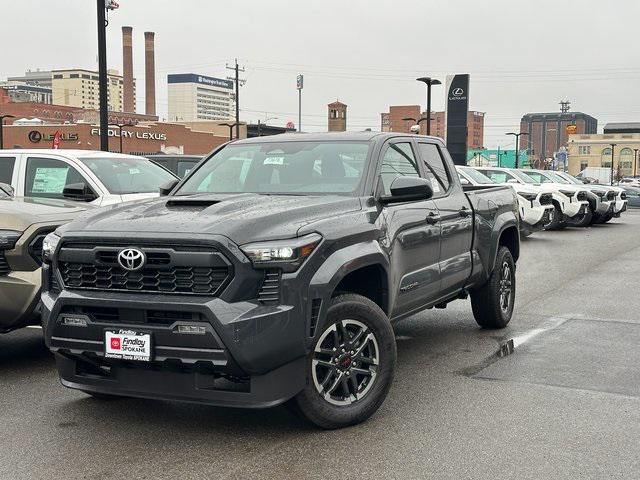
(606, 218)
(557, 223)
(487, 302)
(586, 219)
(355, 385)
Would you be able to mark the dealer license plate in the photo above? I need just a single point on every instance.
(127, 345)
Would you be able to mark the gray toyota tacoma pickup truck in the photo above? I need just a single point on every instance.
(273, 273)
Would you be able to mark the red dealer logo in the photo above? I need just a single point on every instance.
(115, 343)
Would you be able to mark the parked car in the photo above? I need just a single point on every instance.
(259, 279)
(24, 222)
(179, 165)
(629, 182)
(98, 178)
(534, 203)
(603, 199)
(567, 211)
(632, 195)
(599, 175)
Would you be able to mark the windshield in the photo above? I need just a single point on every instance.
(476, 176)
(128, 175)
(525, 177)
(557, 178)
(281, 168)
(570, 178)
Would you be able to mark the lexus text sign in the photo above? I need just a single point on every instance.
(457, 117)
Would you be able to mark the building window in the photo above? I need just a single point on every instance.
(58, 76)
(585, 150)
(606, 157)
(74, 75)
(626, 160)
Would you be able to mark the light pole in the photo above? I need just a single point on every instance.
(231, 125)
(300, 86)
(2, 117)
(635, 161)
(517, 135)
(613, 147)
(119, 127)
(428, 81)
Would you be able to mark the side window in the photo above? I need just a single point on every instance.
(47, 177)
(6, 169)
(228, 176)
(398, 161)
(497, 176)
(436, 170)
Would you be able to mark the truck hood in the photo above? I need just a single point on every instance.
(241, 217)
(19, 213)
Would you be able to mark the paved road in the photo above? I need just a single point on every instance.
(565, 404)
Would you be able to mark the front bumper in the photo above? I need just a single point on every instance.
(575, 209)
(249, 356)
(620, 207)
(536, 218)
(19, 296)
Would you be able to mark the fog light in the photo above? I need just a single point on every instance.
(75, 321)
(191, 330)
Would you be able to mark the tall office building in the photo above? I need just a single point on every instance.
(80, 88)
(198, 97)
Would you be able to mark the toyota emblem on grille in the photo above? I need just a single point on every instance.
(131, 259)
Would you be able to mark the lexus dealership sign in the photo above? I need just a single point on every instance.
(457, 117)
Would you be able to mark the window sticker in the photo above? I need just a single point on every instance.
(274, 161)
(49, 180)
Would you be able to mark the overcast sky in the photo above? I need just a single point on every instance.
(523, 56)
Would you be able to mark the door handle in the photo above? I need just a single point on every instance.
(464, 212)
(432, 218)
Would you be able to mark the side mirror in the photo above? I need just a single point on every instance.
(8, 189)
(165, 188)
(408, 189)
(80, 192)
(464, 181)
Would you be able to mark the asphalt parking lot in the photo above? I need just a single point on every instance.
(564, 404)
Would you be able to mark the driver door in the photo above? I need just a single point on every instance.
(411, 233)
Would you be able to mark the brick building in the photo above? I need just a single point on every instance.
(548, 132)
(337, 117)
(62, 113)
(393, 122)
(140, 139)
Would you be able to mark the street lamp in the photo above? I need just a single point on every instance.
(428, 81)
(119, 127)
(635, 161)
(231, 125)
(2, 117)
(613, 147)
(417, 122)
(517, 135)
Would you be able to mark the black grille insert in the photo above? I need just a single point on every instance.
(611, 195)
(270, 291)
(546, 199)
(4, 265)
(582, 196)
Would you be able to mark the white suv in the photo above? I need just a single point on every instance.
(571, 207)
(606, 201)
(534, 203)
(98, 178)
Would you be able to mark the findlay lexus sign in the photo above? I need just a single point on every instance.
(129, 134)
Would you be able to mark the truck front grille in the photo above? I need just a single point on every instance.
(174, 270)
(204, 281)
(582, 196)
(546, 198)
(611, 195)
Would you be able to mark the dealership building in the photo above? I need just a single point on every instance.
(141, 139)
(198, 97)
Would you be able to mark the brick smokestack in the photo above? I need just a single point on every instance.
(128, 98)
(150, 73)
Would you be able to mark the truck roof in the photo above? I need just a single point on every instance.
(328, 136)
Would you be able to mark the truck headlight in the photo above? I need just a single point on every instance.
(285, 254)
(529, 196)
(8, 239)
(49, 245)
